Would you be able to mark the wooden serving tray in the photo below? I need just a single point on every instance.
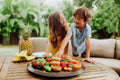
(55, 74)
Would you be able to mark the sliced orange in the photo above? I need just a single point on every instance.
(73, 61)
(69, 59)
(76, 66)
(65, 57)
(65, 68)
(69, 69)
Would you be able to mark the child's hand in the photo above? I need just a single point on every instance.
(88, 60)
(59, 54)
(46, 55)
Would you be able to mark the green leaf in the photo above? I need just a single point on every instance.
(71, 64)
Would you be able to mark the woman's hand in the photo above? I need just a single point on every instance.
(88, 60)
(63, 45)
(59, 54)
(46, 55)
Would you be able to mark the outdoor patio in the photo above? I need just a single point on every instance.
(16, 16)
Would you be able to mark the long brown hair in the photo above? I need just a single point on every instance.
(55, 28)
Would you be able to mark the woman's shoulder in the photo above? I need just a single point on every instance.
(48, 37)
(66, 27)
(69, 26)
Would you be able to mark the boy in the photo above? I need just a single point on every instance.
(80, 32)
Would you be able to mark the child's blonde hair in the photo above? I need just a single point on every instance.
(55, 26)
(83, 11)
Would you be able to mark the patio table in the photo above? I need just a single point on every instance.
(18, 71)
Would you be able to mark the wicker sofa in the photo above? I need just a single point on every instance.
(106, 51)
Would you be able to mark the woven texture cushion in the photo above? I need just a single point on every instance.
(102, 48)
(113, 63)
(117, 49)
(39, 44)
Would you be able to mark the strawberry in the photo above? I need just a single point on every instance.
(41, 63)
(63, 65)
(36, 64)
(66, 61)
(44, 63)
(68, 64)
(61, 62)
(48, 59)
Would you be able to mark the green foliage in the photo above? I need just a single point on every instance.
(117, 2)
(15, 15)
(67, 10)
(44, 23)
(87, 3)
(105, 19)
(6, 39)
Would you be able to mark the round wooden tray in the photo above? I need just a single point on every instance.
(55, 74)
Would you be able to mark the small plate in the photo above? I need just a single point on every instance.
(40, 54)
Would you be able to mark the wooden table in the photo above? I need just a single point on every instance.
(18, 71)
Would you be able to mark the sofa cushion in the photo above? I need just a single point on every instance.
(102, 48)
(113, 63)
(39, 44)
(117, 49)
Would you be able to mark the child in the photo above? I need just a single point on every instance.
(57, 31)
(80, 32)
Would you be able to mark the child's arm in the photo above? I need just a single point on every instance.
(64, 43)
(87, 57)
(48, 48)
(66, 50)
(88, 46)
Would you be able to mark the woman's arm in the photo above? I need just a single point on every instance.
(64, 43)
(48, 48)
